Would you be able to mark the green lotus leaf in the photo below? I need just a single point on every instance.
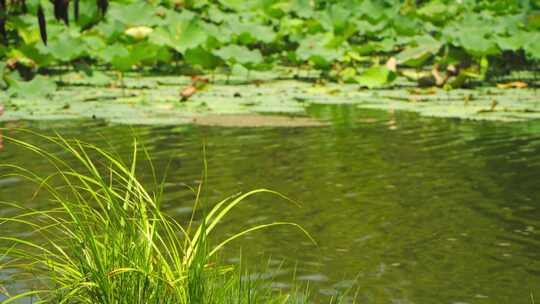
(201, 57)
(415, 56)
(533, 48)
(40, 86)
(476, 44)
(315, 48)
(239, 54)
(514, 42)
(133, 14)
(376, 76)
(66, 48)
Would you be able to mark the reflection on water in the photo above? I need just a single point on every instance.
(417, 210)
(1, 139)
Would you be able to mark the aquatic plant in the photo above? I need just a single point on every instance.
(453, 41)
(106, 240)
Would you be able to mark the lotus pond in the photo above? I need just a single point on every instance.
(405, 208)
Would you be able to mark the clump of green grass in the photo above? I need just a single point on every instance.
(106, 239)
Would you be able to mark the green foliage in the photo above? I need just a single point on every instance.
(318, 50)
(239, 54)
(533, 47)
(422, 48)
(376, 76)
(201, 57)
(39, 86)
(3, 83)
(106, 239)
(210, 34)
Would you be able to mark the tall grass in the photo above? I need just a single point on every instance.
(106, 240)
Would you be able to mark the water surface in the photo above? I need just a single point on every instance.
(416, 210)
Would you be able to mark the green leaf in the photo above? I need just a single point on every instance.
(239, 54)
(348, 75)
(334, 18)
(315, 48)
(219, 34)
(533, 48)
(97, 78)
(437, 11)
(137, 13)
(372, 10)
(93, 43)
(248, 32)
(183, 32)
(239, 70)
(40, 86)
(66, 48)
(514, 42)
(88, 13)
(201, 57)
(303, 8)
(118, 56)
(484, 66)
(415, 56)
(243, 5)
(111, 29)
(191, 36)
(146, 53)
(476, 44)
(37, 53)
(368, 28)
(162, 37)
(406, 26)
(111, 51)
(533, 21)
(217, 15)
(3, 83)
(376, 76)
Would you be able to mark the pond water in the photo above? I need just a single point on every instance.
(416, 210)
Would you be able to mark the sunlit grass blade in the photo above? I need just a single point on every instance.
(106, 240)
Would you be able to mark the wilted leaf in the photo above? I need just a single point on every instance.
(187, 92)
(513, 85)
